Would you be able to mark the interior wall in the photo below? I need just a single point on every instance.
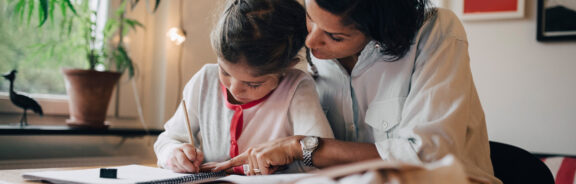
(526, 87)
(167, 67)
(179, 63)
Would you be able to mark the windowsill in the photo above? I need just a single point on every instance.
(56, 125)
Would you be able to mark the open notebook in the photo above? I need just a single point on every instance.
(132, 174)
(129, 174)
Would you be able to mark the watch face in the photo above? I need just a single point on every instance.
(310, 142)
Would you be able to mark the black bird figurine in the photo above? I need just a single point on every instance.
(22, 101)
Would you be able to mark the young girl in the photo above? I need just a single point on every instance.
(252, 96)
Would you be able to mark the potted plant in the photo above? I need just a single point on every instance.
(89, 90)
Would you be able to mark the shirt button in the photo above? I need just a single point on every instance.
(384, 124)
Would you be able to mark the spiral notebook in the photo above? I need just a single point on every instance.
(130, 174)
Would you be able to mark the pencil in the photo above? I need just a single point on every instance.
(190, 137)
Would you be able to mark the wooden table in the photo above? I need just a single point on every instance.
(15, 175)
(379, 170)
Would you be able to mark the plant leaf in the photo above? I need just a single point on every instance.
(71, 6)
(63, 9)
(127, 61)
(133, 23)
(70, 25)
(20, 9)
(121, 9)
(43, 12)
(133, 4)
(156, 6)
(30, 11)
(51, 9)
(110, 27)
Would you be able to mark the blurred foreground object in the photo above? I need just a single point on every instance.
(444, 171)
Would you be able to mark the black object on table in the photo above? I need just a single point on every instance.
(108, 173)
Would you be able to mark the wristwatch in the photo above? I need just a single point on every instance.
(309, 145)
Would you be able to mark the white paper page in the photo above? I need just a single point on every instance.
(126, 174)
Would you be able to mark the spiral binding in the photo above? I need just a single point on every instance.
(188, 178)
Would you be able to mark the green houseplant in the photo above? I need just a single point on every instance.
(90, 89)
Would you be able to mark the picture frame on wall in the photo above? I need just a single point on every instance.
(556, 20)
(490, 9)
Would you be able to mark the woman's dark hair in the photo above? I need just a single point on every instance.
(267, 34)
(392, 23)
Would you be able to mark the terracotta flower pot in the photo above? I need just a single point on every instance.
(89, 94)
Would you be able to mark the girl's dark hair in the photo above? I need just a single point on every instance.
(267, 34)
(392, 23)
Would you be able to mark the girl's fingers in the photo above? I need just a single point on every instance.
(199, 158)
(190, 152)
(208, 167)
(229, 164)
(184, 163)
(174, 166)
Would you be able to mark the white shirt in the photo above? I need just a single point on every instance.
(292, 108)
(416, 109)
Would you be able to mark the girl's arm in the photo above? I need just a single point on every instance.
(306, 113)
(172, 148)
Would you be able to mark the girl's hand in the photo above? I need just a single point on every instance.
(185, 159)
(266, 157)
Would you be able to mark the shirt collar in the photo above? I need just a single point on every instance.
(242, 106)
(368, 56)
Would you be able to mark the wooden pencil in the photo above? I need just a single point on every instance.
(190, 135)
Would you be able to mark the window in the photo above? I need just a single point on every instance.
(39, 53)
(34, 53)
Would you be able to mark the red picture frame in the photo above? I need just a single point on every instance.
(490, 9)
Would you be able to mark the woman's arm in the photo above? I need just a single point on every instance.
(333, 152)
(309, 119)
(284, 151)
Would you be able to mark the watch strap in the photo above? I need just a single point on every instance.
(307, 158)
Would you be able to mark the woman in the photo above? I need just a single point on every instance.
(394, 80)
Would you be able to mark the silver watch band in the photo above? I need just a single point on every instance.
(307, 158)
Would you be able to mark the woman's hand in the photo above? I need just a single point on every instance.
(185, 159)
(266, 157)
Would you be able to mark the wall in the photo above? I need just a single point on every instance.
(168, 66)
(526, 87)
